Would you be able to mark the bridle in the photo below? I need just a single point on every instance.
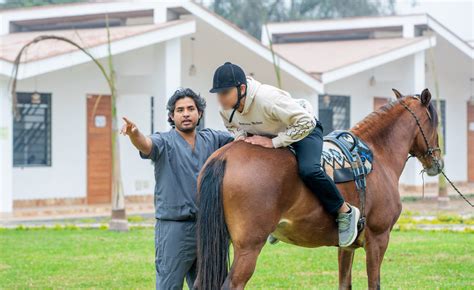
(430, 151)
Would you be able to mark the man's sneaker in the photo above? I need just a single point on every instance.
(347, 224)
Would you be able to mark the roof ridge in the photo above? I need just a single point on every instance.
(346, 18)
(157, 25)
(96, 41)
(58, 5)
(408, 39)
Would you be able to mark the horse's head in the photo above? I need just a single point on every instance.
(425, 145)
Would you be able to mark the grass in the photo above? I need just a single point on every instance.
(96, 258)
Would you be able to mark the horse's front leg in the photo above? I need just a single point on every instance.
(346, 257)
(375, 247)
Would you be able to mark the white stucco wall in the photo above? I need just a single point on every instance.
(6, 185)
(454, 70)
(139, 76)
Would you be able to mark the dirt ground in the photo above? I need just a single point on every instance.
(431, 206)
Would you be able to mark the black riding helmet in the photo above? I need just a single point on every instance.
(228, 76)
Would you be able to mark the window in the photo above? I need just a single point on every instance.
(334, 112)
(32, 130)
(442, 118)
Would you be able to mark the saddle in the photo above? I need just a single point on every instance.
(349, 158)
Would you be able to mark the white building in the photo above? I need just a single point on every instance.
(456, 15)
(358, 60)
(54, 151)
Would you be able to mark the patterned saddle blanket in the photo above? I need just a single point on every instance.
(347, 157)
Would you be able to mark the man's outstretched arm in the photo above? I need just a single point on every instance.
(140, 141)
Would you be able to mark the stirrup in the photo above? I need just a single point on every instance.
(361, 224)
(272, 240)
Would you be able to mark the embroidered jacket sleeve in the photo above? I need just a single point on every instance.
(299, 122)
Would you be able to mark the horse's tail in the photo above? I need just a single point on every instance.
(212, 234)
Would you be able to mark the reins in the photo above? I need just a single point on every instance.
(430, 153)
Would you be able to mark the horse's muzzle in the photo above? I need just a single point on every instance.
(436, 167)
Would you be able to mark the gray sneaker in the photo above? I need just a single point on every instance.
(347, 224)
(272, 240)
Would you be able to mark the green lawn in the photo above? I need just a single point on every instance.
(94, 258)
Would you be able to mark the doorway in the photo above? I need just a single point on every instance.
(99, 149)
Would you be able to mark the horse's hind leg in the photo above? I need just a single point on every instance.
(346, 257)
(375, 247)
(243, 266)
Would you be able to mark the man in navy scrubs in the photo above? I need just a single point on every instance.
(178, 156)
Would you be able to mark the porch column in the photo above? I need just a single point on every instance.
(172, 68)
(159, 15)
(419, 72)
(4, 25)
(6, 151)
(408, 30)
(411, 173)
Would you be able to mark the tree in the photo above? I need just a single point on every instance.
(251, 15)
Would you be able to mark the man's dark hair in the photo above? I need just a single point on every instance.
(181, 94)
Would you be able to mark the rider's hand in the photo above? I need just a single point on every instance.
(129, 128)
(260, 140)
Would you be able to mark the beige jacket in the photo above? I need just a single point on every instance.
(271, 112)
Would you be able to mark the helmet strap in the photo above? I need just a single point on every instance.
(237, 104)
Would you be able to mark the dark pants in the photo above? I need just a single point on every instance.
(175, 254)
(308, 153)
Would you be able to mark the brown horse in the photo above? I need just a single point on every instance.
(247, 192)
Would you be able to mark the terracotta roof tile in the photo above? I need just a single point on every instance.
(11, 44)
(320, 57)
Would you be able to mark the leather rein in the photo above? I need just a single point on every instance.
(430, 153)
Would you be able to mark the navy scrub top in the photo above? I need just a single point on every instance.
(177, 167)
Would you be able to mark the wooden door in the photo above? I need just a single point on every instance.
(470, 141)
(99, 149)
(379, 102)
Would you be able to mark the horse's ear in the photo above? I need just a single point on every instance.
(397, 94)
(425, 97)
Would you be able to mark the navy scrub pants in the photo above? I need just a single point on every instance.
(175, 254)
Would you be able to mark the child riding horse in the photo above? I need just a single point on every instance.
(263, 110)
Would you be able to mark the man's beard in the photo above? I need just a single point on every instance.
(187, 130)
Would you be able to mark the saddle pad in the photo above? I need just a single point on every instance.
(334, 161)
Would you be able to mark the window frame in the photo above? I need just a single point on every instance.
(45, 99)
(347, 117)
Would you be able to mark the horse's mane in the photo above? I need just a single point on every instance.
(387, 114)
(433, 113)
(378, 118)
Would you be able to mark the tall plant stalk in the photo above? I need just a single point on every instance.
(443, 198)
